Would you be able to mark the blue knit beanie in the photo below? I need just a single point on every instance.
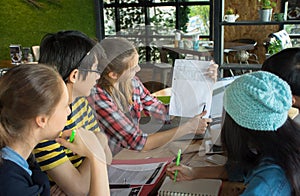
(258, 101)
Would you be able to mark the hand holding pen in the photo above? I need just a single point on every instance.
(177, 164)
(82, 142)
(183, 172)
(198, 124)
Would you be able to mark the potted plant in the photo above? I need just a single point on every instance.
(230, 15)
(266, 9)
(229, 11)
(273, 47)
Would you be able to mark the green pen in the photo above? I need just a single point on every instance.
(177, 164)
(72, 137)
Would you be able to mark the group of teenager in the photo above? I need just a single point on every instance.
(91, 89)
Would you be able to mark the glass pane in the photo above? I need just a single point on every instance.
(160, 1)
(131, 19)
(198, 20)
(292, 29)
(163, 20)
(195, 0)
(109, 21)
(130, 1)
(109, 1)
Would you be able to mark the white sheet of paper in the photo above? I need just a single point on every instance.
(213, 134)
(120, 192)
(125, 191)
(191, 88)
(137, 174)
(217, 96)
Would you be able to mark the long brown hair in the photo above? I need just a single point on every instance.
(119, 51)
(26, 91)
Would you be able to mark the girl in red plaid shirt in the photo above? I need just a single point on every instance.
(119, 99)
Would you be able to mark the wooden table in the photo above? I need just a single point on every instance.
(207, 53)
(6, 64)
(163, 92)
(192, 155)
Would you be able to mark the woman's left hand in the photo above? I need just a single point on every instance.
(212, 71)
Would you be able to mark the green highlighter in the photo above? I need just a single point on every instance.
(72, 137)
(177, 164)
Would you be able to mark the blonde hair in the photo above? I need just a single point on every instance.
(119, 51)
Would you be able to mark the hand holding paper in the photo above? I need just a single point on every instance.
(212, 71)
(191, 87)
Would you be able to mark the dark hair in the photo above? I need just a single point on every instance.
(25, 92)
(247, 147)
(66, 50)
(286, 65)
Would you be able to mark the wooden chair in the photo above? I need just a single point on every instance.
(242, 56)
(162, 68)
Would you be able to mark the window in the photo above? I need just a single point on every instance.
(293, 13)
(145, 21)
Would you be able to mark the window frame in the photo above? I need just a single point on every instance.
(100, 6)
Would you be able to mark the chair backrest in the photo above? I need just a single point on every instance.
(163, 53)
(284, 37)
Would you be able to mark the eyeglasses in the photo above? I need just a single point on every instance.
(90, 70)
(76, 66)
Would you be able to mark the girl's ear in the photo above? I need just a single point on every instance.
(73, 76)
(113, 75)
(41, 121)
(293, 100)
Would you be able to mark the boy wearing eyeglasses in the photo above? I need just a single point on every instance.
(79, 60)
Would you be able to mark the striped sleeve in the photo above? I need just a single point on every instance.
(50, 154)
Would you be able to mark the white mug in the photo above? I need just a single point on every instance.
(231, 17)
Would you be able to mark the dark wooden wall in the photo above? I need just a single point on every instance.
(248, 10)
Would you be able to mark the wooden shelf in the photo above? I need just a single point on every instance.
(257, 22)
(218, 35)
(238, 66)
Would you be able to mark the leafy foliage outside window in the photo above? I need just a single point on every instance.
(203, 13)
(132, 21)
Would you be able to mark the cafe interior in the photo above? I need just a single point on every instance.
(162, 30)
(233, 33)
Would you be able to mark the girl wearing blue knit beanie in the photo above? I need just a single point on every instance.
(258, 136)
(286, 65)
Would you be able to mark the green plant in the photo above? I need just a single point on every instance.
(267, 4)
(274, 47)
(34, 23)
(229, 11)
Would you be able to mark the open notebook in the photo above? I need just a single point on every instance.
(198, 187)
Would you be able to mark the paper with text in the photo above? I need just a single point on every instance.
(126, 191)
(191, 88)
(138, 174)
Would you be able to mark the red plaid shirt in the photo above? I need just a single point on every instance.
(123, 130)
